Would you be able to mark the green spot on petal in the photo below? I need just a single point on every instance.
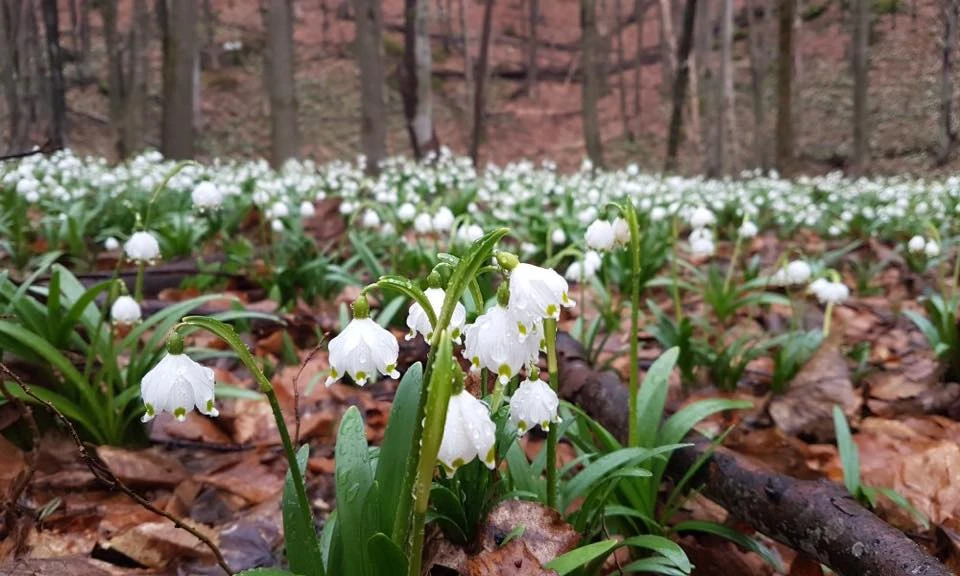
(551, 309)
(391, 368)
(180, 412)
(360, 376)
(457, 463)
(210, 405)
(522, 329)
(491, 455)
(150, 410)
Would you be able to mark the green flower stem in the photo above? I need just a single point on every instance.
(828, 313)
(484, 377)
(733, 263)
(633, 434)
(138, 284)
(550, 335)
(674, 273)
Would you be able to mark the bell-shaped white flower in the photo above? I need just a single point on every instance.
(600, 235)
(443, 219)
(701, 218)
(125, 311)
(701, 243)
(111, 243)
(468, 433)
(362, 349)
(748, 229)
(916, 244)
(495, 342)
(621, 231)
(176, 385)
(419, 323)
(558, 237)
(371, 219)
(537, 293)
(142, 247)
(798, 272)
(207, 196)
(423, 223)
(307, 209)
(406, 212)
(534, 402)
(931, 249)
(829, 292)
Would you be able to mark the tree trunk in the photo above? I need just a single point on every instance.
(479, 103)
(680, 85)
(702, 81)
(281, 85)
(948, 135)
(369, 46)
(721, 163)
(640, 8)
(417, 90)
(591, 83)
(179, 20)
(668, 43)
(532, 44)
(137, 76)
(758, 73)
(621, 74)
(58, 98)
(211, 47)
(8, 77)
(467, 67)
(861, 64)
(785, 89)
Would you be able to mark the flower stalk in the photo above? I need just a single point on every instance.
(550, 336)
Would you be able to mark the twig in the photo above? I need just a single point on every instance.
(20, 483)
(103, 473)
(296, 391)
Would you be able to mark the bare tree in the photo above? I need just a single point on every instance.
(861, 70)
(640, 9)
(479, 104)
(8, 78)
(416, 87)
(668, 41)
(680, 82)
(369, 44)
(591, 82)
(467, 65)
(784, 134)
(58, 99)
(621, 69)
(948, 135)
(278, 74)
(127, 75)
(759, 65)
(178, 20)
(532, 45)
(720, 164)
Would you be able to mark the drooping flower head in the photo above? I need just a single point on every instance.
(600, 235)
(468, 433)
(125, 311)
(419, 322)
(177, 384)
(363, 348)
(142, 247)
(495, 342)
(534, 402)
(207, 196)
(535, 293)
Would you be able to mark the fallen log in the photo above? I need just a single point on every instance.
(817, 518)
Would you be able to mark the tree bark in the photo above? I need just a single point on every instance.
(532, 45)
(621, 75)
(948, 135)
(758, 74)
(58, 99)
(721, 163)
(680, 85)
(369, 46)
(136, 78)
(784, 134)
(467, 67)
(281, 85)
(416, 85)
(640, 10)
(668, 42)
(591, 83)
(178, 19)
(861, 71)
(8, 77)
(793, 512)
(479, 99)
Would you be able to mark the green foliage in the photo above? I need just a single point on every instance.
(792, 351)
(941, 330)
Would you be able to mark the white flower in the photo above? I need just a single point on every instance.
(828, 292)
(469, 234)
(142, 247)
(748, 229)
(423, 223)
(592, 262)
(206, 196)
(702, 247)
(443, 219)
(558, 237)
(125, 311)
(576, 272)
(361, 350)
(621, 231)
(278, 210)
(175, 385)
(534, 403)
(406, 212)
(932, 249)
(419, 322)
(276, 225)
(537, 293)
(798, 272)
(701, 218)
(307, 209)
(657, 214)
(916, 244)
(371, 219)
(600, 235)
(495, 342)
(111, 243)
(468, 433)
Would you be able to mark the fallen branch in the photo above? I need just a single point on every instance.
(817, 518)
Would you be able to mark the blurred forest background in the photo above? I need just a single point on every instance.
(708, 86)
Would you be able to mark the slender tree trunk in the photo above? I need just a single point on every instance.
(467, 67)
(58, 98)
(281, 84)
(640, 8)
(417, 90)
(784, 134)
(721, 163)
(680, 85)
(8, 77)
(479, 99)
(369, 46)
(758, 74)
(703, 83)
(948, 135)
(621, 69)
(179, 20)
(591, 83)
(211, 47)
(134, 108)
(861, 70)
(668, 42)
(532, 45)
(116, 81)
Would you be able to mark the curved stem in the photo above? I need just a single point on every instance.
(826, 320)
(550, 335)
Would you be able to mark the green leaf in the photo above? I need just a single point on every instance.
(601, 468)
(677, 426)
(329, 545)
(353, 481)
(449, 505)
(849, 455)
(653, 397)
(663, 546)
(387, 558)
(267, 572)
(925, 327)
(902, 502)
(303, 548)
(653, 565)
(376, 269)
(567, 563)
(397, 442)
(410, 290)
(738, 538)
